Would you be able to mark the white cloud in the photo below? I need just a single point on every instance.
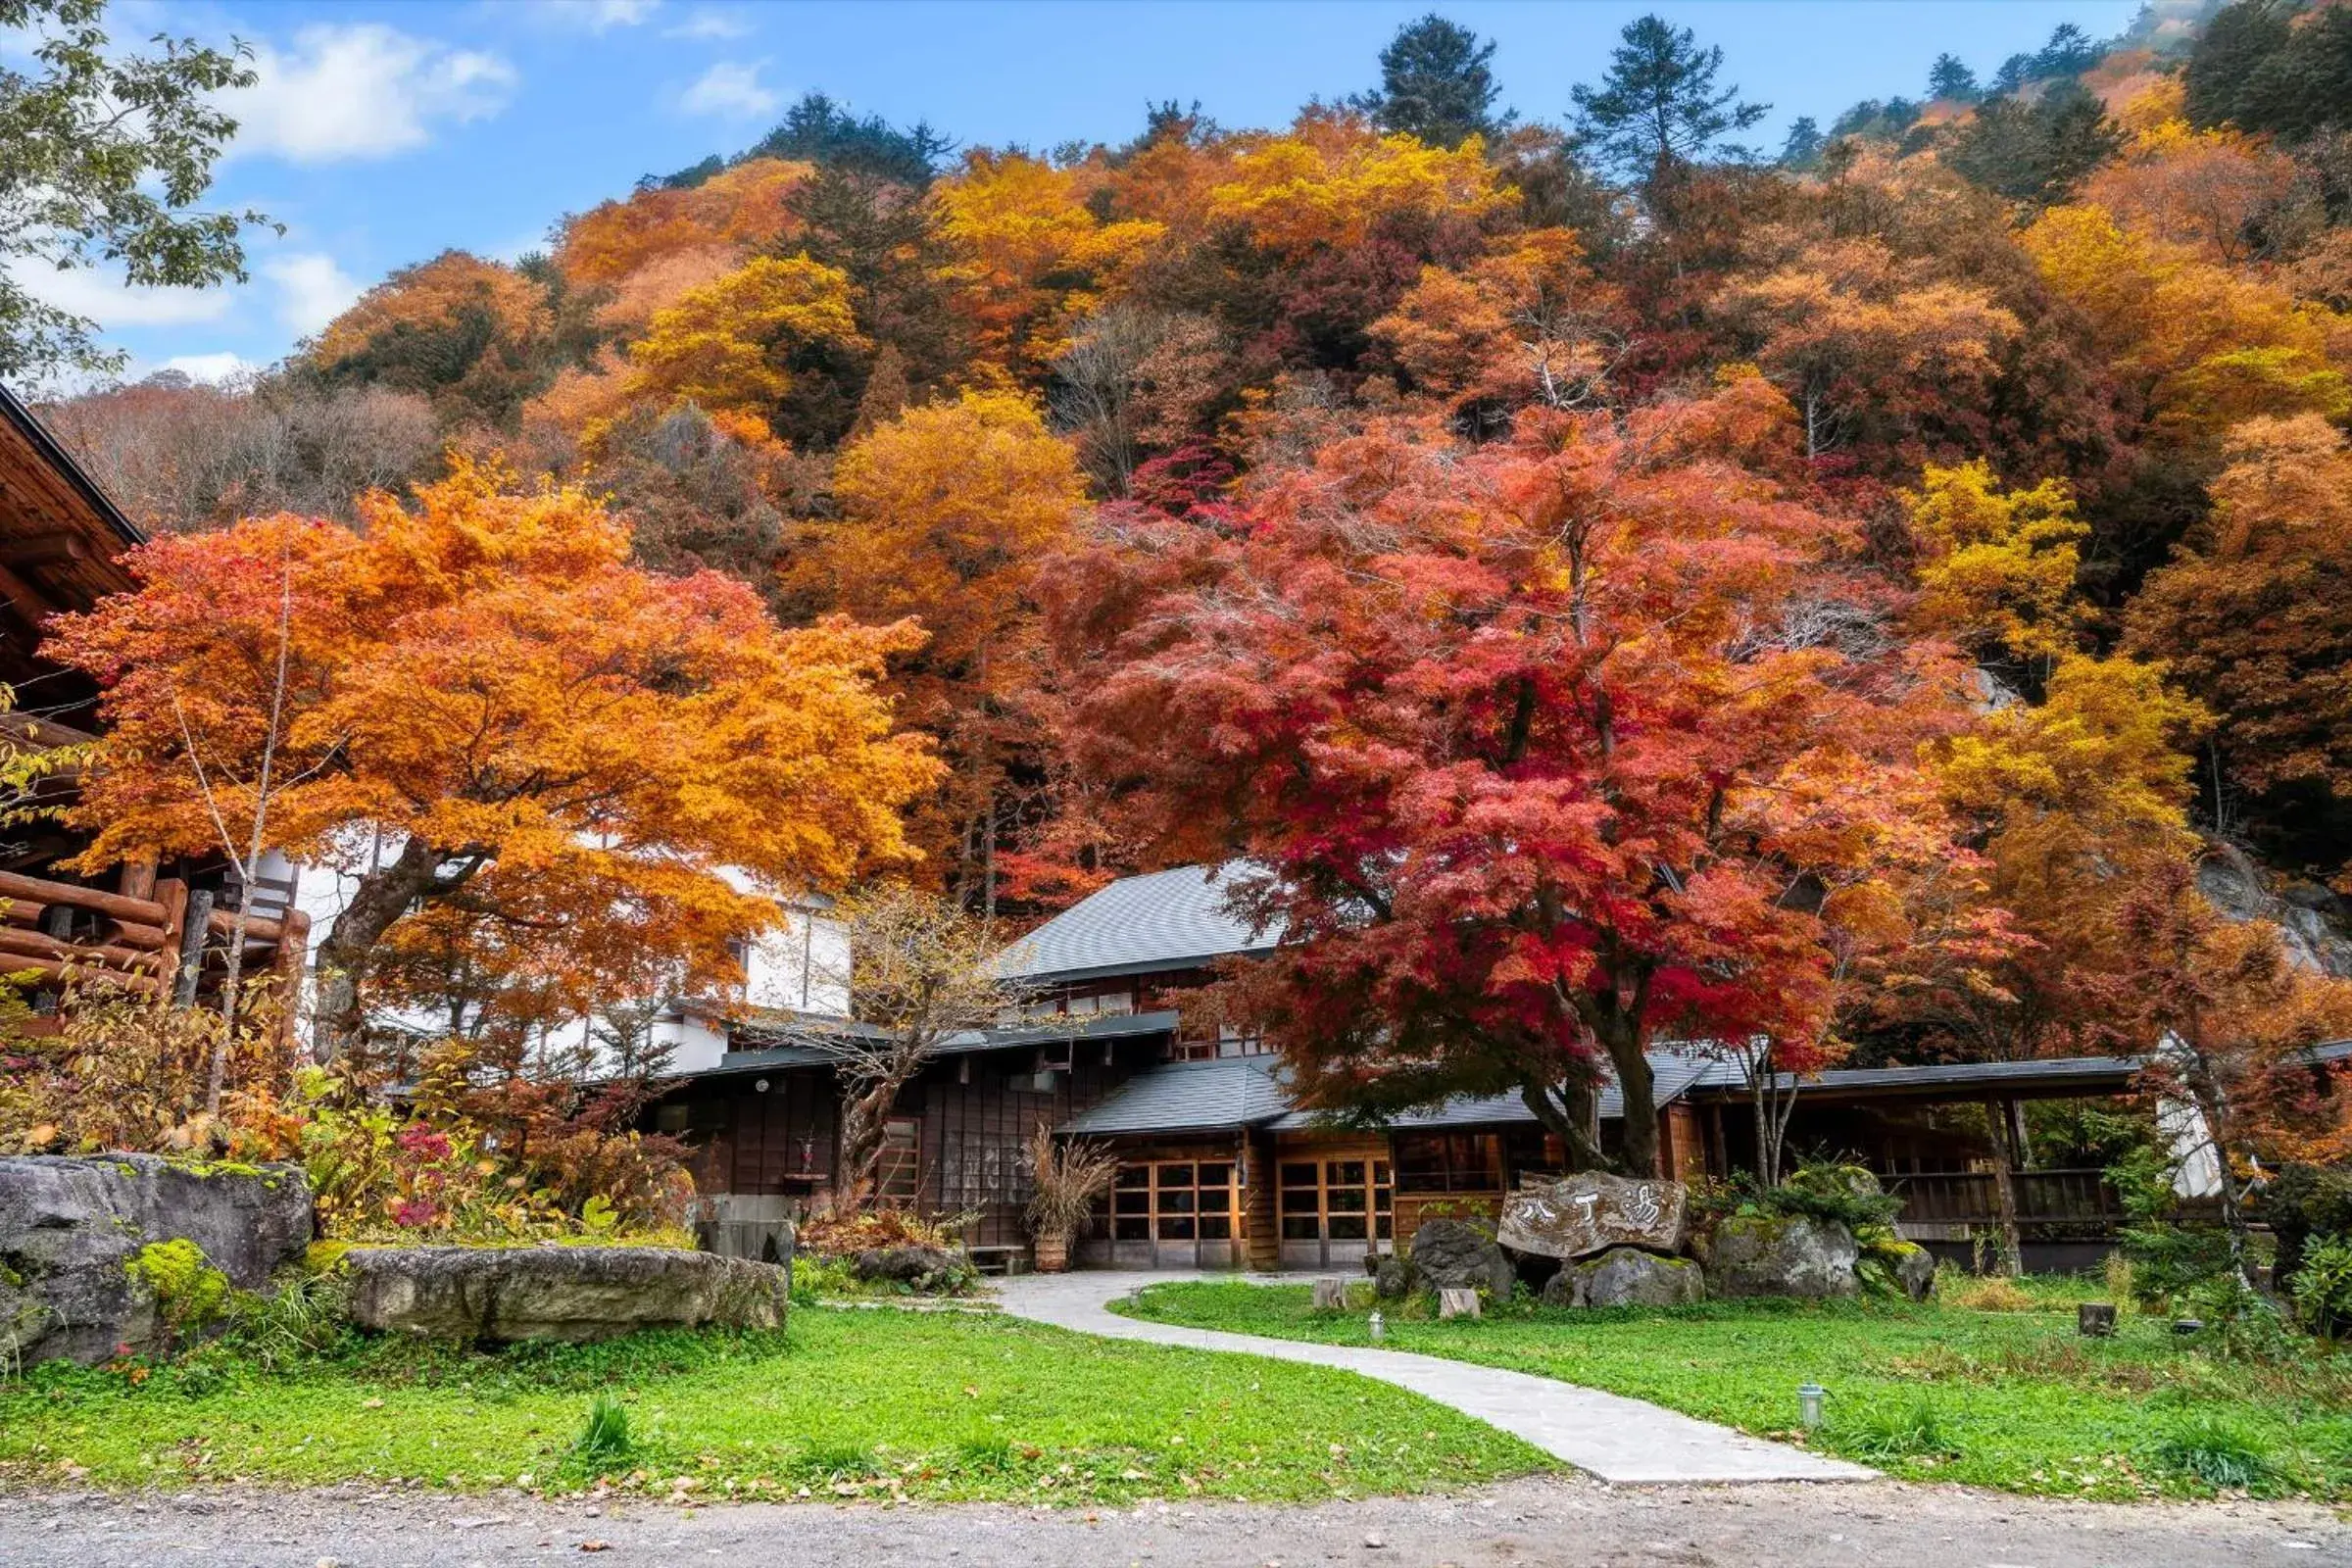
(105, 297)
(311, 290)
(731, 90)
(709, 24)
(361, 90)
(598, 15)
(213, 368)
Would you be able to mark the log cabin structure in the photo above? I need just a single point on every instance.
(162, 928)
(1220, 1169)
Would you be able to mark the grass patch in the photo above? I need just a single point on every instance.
(2012, 1399)
(847, 1403)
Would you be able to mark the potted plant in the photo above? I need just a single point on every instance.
(1068, 1177)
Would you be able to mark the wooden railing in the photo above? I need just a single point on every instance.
(150, 936)
(2070, 1199)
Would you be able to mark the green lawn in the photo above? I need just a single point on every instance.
(847, 1403)
(2008, 1400)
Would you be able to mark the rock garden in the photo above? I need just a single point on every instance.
(1599, 1240)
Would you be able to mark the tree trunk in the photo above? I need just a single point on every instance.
(385, 894)
(2010, 1260)
(1638, 1091)
(1571, 1112)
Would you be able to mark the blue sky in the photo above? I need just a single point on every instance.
(384, 133)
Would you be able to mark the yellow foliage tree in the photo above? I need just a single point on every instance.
(1030, 255)
(947, 513)
(1996, 569)
(1331, 181)
(2209, 347)
(730, 344)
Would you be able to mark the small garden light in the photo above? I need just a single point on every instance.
(1380, 1327)
(1808, 1403)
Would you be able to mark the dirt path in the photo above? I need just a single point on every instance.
(1528, 1524)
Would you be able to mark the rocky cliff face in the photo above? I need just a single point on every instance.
(2316, 922)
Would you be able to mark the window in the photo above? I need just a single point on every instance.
(1336, 1200)
(901, 1177)
(1175, 1201)
(1449, 1162)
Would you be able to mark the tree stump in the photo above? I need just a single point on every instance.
(1456, 1304)
(2095, 1320)
(1331, 1296)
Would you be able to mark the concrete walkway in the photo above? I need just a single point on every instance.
(1609, 1436)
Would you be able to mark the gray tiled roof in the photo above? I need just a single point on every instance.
(1674, 1073)
(1163, 920)
(787, 1043)
(1188, 1096)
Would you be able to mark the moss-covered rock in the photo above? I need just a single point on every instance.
(73, 1232)
(1890, 1266)
(1780, 1254)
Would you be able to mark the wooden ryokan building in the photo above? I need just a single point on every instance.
(1220, 1169)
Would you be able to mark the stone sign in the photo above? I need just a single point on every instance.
(1579, 1215)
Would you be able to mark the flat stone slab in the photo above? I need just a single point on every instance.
(1606, 1435)
(560, 1293)
(1579, 1215)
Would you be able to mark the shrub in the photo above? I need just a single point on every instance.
(2241, 1324)
(2305, 1205)
(489, 1154)
(1898, 1432)
(846, 1232)
(2208, 1447)
(2322, 1287)
(129, 1070)
(1844, 1194)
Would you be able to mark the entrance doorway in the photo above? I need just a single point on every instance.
(1176, 1213)
(1336, 1208)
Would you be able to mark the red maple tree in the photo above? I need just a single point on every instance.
(1542, 751)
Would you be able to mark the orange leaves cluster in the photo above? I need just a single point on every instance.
(2254, 611)
(740, 210)
(486, 675)
(2212, 347)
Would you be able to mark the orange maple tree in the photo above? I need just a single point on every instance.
(488, 707)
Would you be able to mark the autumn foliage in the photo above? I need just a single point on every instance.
(487, 707)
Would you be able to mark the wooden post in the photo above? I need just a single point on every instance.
(137, 880)
(1453, 1303)
(293, 956)
(191, 947)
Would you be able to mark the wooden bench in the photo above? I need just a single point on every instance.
(1001, 1259)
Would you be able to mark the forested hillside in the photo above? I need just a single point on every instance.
(1929, 548)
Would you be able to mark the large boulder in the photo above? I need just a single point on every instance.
(1627, 1276)
(72, 1227)
(1579, 1215)
(1778, 1254)
(1454, 1255)
(560, 1293)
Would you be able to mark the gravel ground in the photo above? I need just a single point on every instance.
(1528, 1524)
